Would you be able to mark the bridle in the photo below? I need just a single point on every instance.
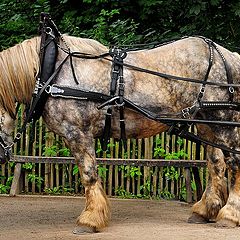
(7, 147)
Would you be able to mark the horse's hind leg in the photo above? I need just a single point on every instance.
(215, 195)
(229, 215)
(96, 213)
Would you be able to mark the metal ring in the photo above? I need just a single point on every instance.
(48, 30)
(48, 89)
(231, 89)
(202, 90)
(18, 136)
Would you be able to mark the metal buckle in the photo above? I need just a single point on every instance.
(121, 84)
(53, 90)
(186, 112)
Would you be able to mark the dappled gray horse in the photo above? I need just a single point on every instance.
(80, 121)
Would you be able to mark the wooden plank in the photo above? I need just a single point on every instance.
(154, 181)
(15, 183)
(104, 180)
(139, 168)
(40, 139)
(110, 173)
(3, 173)
(128, 170)
(34, 154)
(116, 182)
(188, 185)
(146, 156)
(133, 156)
(122, 170)
(114, 161)
(26, 145)
(57, 177)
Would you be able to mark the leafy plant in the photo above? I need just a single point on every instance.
(27, 166)
(102, 171)
(131, 171)
(171, 173)
(4, 188)
(59, 190)
(34, 178)
(75, 169)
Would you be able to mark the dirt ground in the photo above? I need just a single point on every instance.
(42, 217)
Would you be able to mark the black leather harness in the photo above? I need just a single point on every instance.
(45, 87)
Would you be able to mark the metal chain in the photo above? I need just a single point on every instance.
(60, 34)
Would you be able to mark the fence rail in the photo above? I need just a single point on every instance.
(114, 161)
(147, 164)
(138, 171)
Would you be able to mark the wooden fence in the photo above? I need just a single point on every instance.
(183, 178)
(154, 181)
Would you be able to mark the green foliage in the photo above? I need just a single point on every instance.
(166, 194)
(131, 171)
(34, 178)
(75, 170)
(123, 22)
(50, 151)
(160, 152)
(59, 190)
(171, 173)
(56, 150)
(4, 189)
(102, 171)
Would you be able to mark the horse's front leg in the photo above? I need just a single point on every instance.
(215, 194)
(96, 213)
(229, 215)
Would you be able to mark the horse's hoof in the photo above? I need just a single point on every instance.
(81, 230)
(225, 223)
(196, 218)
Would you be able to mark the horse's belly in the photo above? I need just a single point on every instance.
(137, 126)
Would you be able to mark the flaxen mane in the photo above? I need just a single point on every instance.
(19, 66)
(17, 83)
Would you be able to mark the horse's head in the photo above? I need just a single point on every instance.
(6, 139)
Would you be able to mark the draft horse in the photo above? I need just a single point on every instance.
(85, 65)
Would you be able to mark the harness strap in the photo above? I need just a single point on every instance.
(108, 123)
(78, 94)
(48, 54)
(192, 137)
(120, 102)
(116, 81)
(74, 93)
(210, 63)
(228, 73)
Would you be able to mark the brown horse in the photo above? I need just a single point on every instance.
(80, 121)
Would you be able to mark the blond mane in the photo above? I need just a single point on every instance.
(19, 66)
